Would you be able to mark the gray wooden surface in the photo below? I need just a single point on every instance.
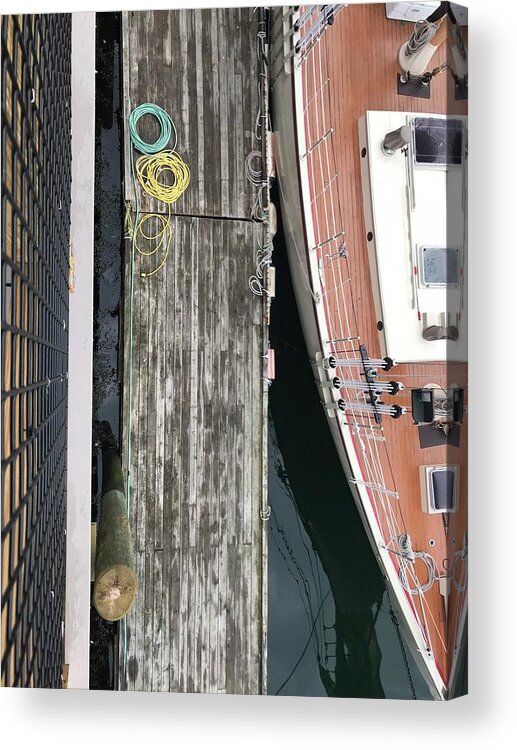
(197, 466)
(200, 66)
(198, 411)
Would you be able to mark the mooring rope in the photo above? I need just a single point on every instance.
(424, 32)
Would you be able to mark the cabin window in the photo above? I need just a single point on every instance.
(437, 141)
(439, 266)
(439, 487)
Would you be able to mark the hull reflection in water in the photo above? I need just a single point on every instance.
(330, 628)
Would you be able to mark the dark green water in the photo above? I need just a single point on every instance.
(330, 628)
(107, 293)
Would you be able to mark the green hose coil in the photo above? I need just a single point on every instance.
(167, 128)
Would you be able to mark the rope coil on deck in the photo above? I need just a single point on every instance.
(151, 170)
(424, 32)
(407, 561)
(167, 127)
(162, 174)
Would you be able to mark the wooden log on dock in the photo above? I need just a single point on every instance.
(115, 579)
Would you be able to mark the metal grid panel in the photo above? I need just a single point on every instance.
(36, 156)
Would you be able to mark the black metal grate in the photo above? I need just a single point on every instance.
(36, 162)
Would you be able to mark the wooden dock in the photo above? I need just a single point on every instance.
(196, 413)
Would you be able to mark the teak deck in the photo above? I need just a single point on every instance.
(197, 469)
(361, 53)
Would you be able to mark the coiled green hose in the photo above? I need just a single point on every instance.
(167, 128)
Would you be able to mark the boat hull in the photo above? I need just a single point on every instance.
(295, 217)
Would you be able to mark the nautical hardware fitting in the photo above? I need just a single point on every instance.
(392, 387)
(396, 140)
(433, 404)
(330, 363)
(439, 333)
(393, 410)
(341, 253)
(327, 14)
(422, 35)
(406, 547)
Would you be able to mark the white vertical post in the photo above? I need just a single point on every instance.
(77, 611)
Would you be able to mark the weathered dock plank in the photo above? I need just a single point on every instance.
(195, 412)
(196, 493)
(200, 66)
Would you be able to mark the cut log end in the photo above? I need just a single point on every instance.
(114, 592)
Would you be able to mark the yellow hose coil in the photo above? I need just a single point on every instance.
(164, 176)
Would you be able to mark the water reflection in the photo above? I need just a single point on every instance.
(340, 655)
(330, 627)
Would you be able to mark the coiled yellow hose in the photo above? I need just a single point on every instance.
(163, 176)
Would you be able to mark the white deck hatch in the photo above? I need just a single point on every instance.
(415, 214)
